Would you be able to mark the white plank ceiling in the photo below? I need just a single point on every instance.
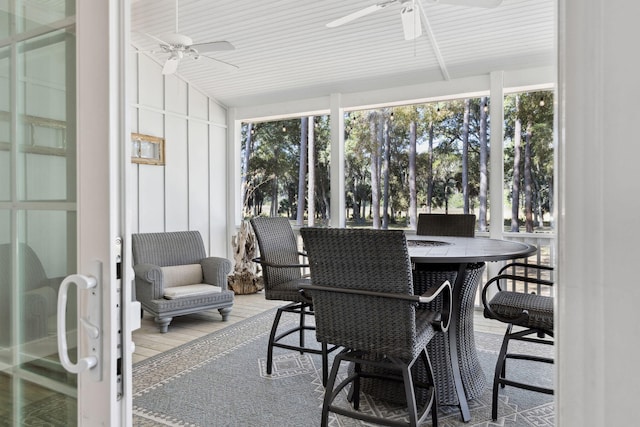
(284, 51)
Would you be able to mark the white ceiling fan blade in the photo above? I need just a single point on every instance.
(359, 14)
(222, 64)
(171, 65)
(469, 3)
(156, 39)
(213, 46)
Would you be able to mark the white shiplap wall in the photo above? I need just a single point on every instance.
(188, 192)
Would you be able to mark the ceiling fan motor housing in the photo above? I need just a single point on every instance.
(178, 40)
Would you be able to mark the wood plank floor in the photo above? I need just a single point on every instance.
(150, 342)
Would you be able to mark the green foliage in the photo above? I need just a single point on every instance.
(535, 112)
(274, 163)
(374, 135)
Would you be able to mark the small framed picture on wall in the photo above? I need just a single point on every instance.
(146, 149)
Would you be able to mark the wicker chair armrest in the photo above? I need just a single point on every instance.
(270, 264)
(215, 271)
(52, 282)
(441, 322)
(525, 265)
(149, 281)
(515, 277)
(430, 295)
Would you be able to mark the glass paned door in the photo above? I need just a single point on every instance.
(47, 229)
(37, 210)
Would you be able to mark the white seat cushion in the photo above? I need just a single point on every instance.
(182, 281)
(190, 290)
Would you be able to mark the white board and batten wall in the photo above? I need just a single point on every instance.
(189, 191)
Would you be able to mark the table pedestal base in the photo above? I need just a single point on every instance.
(440, 350)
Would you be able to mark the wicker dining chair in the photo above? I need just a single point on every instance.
(282, 271)
(524, 308)
(362, 289)
(458, 225)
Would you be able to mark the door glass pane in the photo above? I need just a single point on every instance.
(40, 391)
(45, 157)
(4, 18)
(34, 14)
(5, 130)
(37, 240)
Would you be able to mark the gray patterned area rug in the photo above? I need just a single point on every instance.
(221, 380)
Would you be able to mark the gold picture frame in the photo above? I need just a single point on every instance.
(147, 149)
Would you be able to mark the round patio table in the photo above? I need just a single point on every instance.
(460, 260)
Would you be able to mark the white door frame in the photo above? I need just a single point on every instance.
(102, 156)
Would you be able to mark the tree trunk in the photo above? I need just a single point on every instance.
(375, 172)
(302, 170)
(386, 144)
(430, 169)
(413, 197)
(465, 156)
(245, 169)
(484, 175)
(528, 187)
(356, 200)
(515, 184)
(311, 216)
(274, 197)
(446, 196)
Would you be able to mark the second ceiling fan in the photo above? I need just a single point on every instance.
(410, 13)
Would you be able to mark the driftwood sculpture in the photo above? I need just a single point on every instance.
(245, 279)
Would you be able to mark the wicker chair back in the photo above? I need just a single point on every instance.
(370, 260)
(458, 225)
(278, 246)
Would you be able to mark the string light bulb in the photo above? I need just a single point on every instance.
(284, 128)
(485, 107)
(541, 101)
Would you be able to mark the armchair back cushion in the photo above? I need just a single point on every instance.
(181, 275)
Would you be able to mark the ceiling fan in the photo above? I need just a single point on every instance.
(410, 13)
(179, 46)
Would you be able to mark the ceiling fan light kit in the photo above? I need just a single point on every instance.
(171, 64)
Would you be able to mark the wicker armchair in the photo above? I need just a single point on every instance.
(38, 295)
(282, 274)
(362, 291)
(174, 276)
(531, 311)
(460, 225)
